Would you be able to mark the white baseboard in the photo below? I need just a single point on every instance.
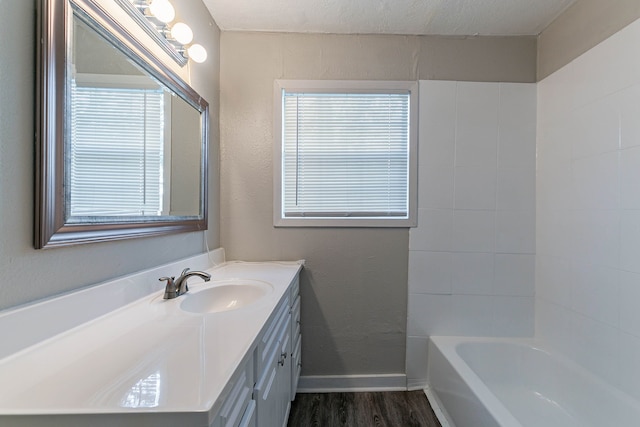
(351, 383)
(436, 405)
(416, 384)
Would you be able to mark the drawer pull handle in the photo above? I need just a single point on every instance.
(283, 356)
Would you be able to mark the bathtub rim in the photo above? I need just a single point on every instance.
(446, 345)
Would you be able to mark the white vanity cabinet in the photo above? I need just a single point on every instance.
(273, 369)
(296, 338)
(239, 408)
(261, 395)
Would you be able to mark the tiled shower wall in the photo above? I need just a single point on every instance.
(471, 258)
(588, 210)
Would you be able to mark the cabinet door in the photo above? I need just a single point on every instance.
(296, 347)
(269, 342)
(296, 366)
(274, 364)
(249, 417)
(238, 400)
(273, 389)
(284, 373)
(266, 391)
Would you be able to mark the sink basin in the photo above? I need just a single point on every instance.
(226, 296)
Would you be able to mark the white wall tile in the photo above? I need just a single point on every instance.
(629, 297)
(516, 189)
(593, 104)
(629, 366)
(435, 185)
(475, 188)
(553, 145)
(430, 315)
(517, 126)
(596, 236)
(514, 275)
(467, 129)
(437, 144)
(595, 129)
(513, 316)
(473, 315)
(473, 231)
(554, 235)
(472, 273)
(417, 351)
(433, 232)
(515, 232)
(553, 187)
(630, 177)
(630, 241)
(595, 292)
(554, 279)
(629, 113)
(596, 347)
(595, 182)
(430, 272)
(477, 124)
(554, 326)
(601, 71)
(437, 110)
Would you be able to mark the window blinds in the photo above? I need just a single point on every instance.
(116, 152)
(345, 155)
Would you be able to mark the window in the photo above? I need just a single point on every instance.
(116, 166)
(346, 153)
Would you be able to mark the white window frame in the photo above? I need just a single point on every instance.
(345, 86)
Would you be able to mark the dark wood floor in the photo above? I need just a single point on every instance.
(386, 409)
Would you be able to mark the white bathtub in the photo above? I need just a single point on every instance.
(480, 382)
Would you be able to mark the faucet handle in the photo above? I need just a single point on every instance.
(170, 291)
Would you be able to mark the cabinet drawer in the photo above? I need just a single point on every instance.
(249, 417)
(269, 342)
(295, 309)
(237, 401)
(296, 366)
(295, 319)
(295, 288)
(285, 344)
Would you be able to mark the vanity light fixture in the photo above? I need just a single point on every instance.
(160, 14)
(182, 33)
(197, 53)
(162, 10)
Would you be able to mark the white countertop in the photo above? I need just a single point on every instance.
(148, 357)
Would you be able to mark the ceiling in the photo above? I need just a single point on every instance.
(428, 17)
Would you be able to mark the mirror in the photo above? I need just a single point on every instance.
(123, 140)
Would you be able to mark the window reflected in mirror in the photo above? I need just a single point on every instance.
(120, 138)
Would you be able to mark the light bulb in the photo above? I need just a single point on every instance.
(182, 33)
(162, 10)
(197, 53)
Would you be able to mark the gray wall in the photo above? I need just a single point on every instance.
(30, 274)
(582, 26)
(354, 287)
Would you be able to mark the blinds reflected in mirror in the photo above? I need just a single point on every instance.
(116, 150)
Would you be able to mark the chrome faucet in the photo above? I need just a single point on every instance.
(176, 287)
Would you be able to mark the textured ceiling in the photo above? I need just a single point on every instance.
(433, 17)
